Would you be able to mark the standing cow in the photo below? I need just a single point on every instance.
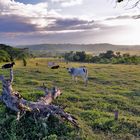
(79, 72)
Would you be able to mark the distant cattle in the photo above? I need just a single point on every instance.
(79, 72)
(50, 64)
(55, 67)
(9, 65)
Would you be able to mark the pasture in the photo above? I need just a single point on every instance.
(110, 87)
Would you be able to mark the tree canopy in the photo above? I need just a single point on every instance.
(107, 57)
(8, 53)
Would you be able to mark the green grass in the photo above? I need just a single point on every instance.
(110, 87)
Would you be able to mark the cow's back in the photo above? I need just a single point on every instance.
(80, 72)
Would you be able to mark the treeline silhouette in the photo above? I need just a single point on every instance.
(107, 57)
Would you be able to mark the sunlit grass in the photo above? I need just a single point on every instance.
(110, 87)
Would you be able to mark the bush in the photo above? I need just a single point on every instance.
(4, 56)
(8, 53)
(103, 58)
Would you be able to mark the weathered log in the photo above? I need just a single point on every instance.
(42, 108)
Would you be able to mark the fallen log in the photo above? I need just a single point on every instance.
(42, 108)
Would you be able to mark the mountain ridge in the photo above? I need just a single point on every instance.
(80, 47)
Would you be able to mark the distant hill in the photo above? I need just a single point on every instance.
(92, 48)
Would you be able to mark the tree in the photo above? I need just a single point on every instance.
(13, 53)
(80, 56)
(109, 54)
(88, 58)
(118, 54)
(4, 56)
(126, 55)
(69, 56)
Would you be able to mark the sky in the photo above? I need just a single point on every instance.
(24, 22)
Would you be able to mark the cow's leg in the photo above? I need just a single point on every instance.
(74, 78)
(85, 80)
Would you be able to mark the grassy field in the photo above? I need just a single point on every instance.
(110, 87)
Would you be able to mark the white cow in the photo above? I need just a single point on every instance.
(79, 72)
(50, 64)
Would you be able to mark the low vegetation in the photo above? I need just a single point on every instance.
(110, 87)
(8, 53)
(104, 58)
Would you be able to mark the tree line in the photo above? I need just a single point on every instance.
(107, 57)
(8, 53)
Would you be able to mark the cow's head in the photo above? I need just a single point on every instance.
(13, 63)
(70, 70)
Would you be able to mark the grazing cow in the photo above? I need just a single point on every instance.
(9, 65)
(55, 67)
(50, 64)
(79, 72)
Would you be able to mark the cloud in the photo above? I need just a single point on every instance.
(68, 3)
(31, 23)
(70, 24)
(10, 7)
(36, 17)
(34, 13)
(19, 17)
(126, 20)
(15, 24)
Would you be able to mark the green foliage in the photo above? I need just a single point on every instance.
(8, 53)
(103, 58)
(51, 137)
(77, 56)
(4, 56)
(108, 55)
(31, 129)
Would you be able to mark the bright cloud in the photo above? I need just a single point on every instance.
(28, 13)
(68, 3)
(38, 17)
(10, 7)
